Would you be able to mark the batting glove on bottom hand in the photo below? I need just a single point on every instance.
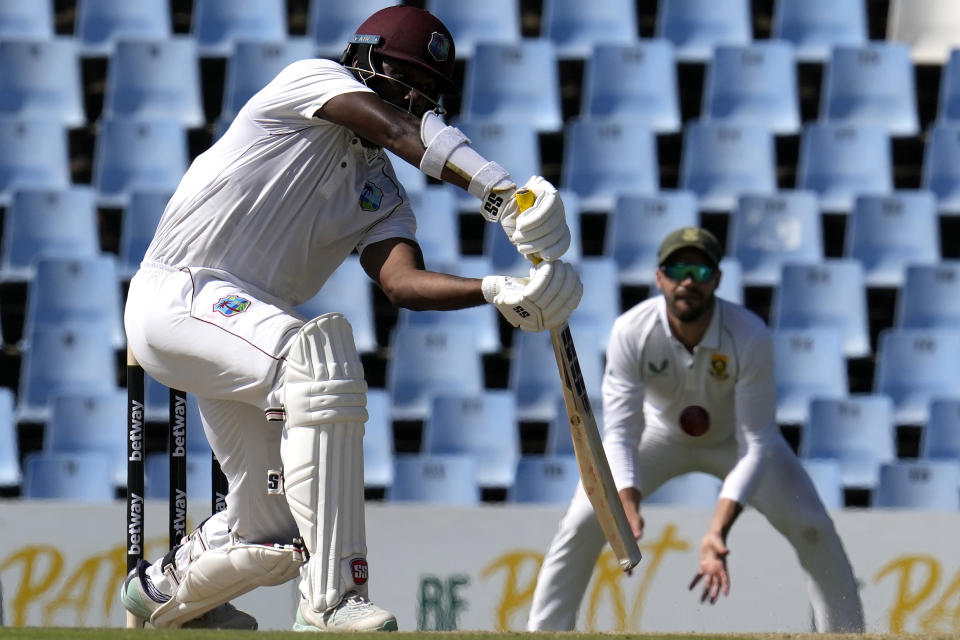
(540, 231)
(543, 301)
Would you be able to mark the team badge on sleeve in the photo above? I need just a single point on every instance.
(231, 305)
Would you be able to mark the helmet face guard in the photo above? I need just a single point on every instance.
(362, 48)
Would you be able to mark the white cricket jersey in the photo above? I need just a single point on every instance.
(283, 197)
(650, 378)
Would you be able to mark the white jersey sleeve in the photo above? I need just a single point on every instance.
(623, 397)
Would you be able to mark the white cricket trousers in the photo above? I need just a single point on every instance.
(785, 496)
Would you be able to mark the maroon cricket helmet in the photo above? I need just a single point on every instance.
(412, 35)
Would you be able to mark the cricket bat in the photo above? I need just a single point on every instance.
(595, 472)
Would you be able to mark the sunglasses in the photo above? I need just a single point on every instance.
(699, 273)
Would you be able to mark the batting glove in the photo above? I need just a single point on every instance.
(543, 301)
(540, 231)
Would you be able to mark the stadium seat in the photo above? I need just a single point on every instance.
(858, 431)
(885, 233)
(331, 23)
(549, 479)
(914, 366)
(513, 145)
(731, 281)
(33, 155)
(929, 297)
(75, 476)
(696, 26)
(930, 27)
(808, 363)
(940, 438)
(635, 82)
(825, 473)
(506, 260)
(76, 289)
(472, 23)
(41, 80)
(435, 479)
(431, 360)
(694, 489)
(754, 84)
(948, 103)
(871, 85)
(100, 24)
(134, 156)
(217, 25)
(438, 225)
(90, 421)
(483, 426)
(600, 304)
(513, 83)
(768, 231)
(64, 357)
(839, 162)
(720, 161)
(412, 179)
(11, 474)
(941, 166)
(155, 80)
(831, 294)
(594, 166)
(482, 320)
(919, 484)
(27, 19)
(638, 223)
(575, 27)
(348, 291)
(54, 222)
(199, 477)
(378, 441)
(814, 27)
(138, 224)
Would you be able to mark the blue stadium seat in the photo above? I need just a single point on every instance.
(331, 23)
(483, 426)
(76, 476)
(919, 484)
(814, 27)
(696, 26)
(825, 473)
(412, 179)
(694, 489)
(594, 166)
(831, 294)
(134, 156)
(26, 19)
(769, 230)
(549, 479)
(940, 438)
(948, 103)
(858, 431)
(217, 25)
(378, 440)
(10, 473)
(941, 166)
(930, 27)
(886, 233)
(199, 476)
(41, 79)
(472, 23)
(930, 297)
(914, 366)
(731, 281)
(138, 224)
(435, 479)
(347, 290)
(753, 84)
(721, 161)
(575, 27)
(92, 420)
(33, 155)
(54, 222)
(155, 80)
(253, 65)
(808, 363)
(513, 145)
(600, 304)
(482, 320)
(76, 289)
(64, 357)
(636, 82)
(430, 360)
(513, 83)
(438, 225)
(871, 85)
(506, 260)
(839, 162)
(100, 24)
(638, 223)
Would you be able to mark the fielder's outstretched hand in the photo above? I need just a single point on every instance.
(543, 301)
(713, 568)
(540, 231)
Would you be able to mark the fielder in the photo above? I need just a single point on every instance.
(689, 386)
(258, 223)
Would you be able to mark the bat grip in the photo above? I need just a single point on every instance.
(525, 199)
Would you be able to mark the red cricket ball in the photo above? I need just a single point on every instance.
(694, 420)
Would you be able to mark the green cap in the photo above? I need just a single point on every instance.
(690, 238)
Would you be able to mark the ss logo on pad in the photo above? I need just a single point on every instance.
(274, 482)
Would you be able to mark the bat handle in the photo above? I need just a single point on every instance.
(525, 199)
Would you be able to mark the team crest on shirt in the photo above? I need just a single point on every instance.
(231, 305)
(370, 197)
(718, 366)
(439, 46)
(658, 369)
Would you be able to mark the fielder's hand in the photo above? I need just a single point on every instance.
(540, 231)
(543, 301)
(713, 568)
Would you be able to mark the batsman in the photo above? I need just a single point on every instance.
(258, 223)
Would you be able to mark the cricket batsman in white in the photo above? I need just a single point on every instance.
(258, 223)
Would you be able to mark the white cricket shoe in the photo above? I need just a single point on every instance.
(354, 613)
